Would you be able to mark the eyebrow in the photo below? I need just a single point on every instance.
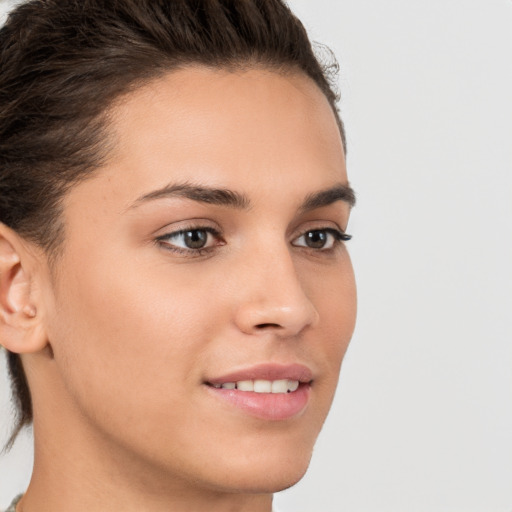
(202, 194)
(237, 200)
(329, 196)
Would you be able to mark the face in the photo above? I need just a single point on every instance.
(205, 297)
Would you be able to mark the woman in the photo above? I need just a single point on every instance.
(176, 295)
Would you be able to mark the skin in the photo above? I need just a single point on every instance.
(120, 338)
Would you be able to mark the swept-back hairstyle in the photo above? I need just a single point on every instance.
(64, 62)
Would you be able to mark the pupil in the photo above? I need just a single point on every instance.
(316, 239)
(195, 239)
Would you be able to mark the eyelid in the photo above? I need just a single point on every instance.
(325, 224)
(339, 237)
(163, 239)
(330, 229)
(186, 225)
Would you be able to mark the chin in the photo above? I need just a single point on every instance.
(267, 472)
(272, 482)
(265, 481)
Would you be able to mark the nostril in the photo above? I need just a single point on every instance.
(267, 326)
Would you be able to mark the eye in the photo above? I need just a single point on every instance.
(190, 240)
(321, 239)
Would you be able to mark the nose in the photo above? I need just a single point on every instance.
(272, 298)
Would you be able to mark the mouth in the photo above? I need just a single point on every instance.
(267, 392)
(281, 386)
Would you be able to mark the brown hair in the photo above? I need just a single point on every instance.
(64, 62)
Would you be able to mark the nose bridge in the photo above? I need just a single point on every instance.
(273, 296)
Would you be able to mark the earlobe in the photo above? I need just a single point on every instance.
(21, 329)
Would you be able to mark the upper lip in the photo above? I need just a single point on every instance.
(267, 371)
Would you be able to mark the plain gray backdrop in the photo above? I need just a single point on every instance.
(422, 421)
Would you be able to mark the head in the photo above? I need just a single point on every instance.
(173, 197)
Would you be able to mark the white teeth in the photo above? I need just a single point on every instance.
(262, 386)
(245, 385)
(293, 385)
(280, 386)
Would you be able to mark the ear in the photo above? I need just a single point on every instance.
(21, 327)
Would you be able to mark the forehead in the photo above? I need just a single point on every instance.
(224, 129)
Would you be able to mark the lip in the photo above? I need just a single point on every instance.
(266, 406)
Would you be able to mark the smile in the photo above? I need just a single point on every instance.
(267, 392)
(261, 386)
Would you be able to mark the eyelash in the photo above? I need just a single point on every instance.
(163, 240)
(339, 237)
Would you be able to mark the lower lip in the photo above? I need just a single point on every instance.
(266, 406)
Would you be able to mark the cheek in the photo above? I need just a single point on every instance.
(336, 302)
(126, 340)
(341, 309)
(334, 295)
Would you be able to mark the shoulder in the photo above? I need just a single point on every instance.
(12, 506)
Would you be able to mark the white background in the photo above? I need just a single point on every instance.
(423, 417)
